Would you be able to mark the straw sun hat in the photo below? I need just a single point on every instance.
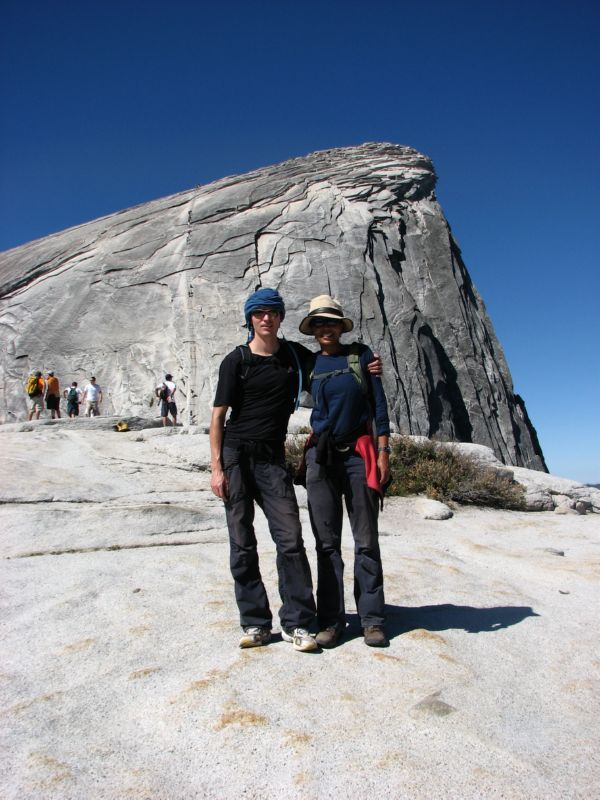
(325, 306)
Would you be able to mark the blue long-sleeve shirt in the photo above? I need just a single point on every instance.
(339, 401)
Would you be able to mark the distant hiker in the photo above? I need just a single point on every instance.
(92, 397)
(166, 394)
(35, 388)
(73, 398)
(53, 396)
(345, 460)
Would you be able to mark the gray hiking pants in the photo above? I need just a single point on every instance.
(270, 486)
(346, 477)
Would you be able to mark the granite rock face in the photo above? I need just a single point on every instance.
(160, 287)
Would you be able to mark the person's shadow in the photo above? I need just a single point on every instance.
(402, 619)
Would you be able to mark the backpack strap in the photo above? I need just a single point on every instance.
(353, 366)
(291, 347)
(356, 349)
(246, 354)
(356, 368)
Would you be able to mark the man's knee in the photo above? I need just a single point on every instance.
(242, 554)
(287, 537)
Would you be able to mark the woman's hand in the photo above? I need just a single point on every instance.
(383, 467)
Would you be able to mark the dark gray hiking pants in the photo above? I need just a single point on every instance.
(269, 485)
(346, 477)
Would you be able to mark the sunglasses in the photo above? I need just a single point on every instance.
(272, 313)
(320, 322)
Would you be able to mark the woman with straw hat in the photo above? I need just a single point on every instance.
(344, 461)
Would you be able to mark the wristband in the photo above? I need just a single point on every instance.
(386, 449)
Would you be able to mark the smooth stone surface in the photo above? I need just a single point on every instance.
(432, 706)
(121, 675)
(542, 488)
(478, 453)
(564, 510)
(432, 509)
(563, 500)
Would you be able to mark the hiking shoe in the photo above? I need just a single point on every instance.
(300, 638)
(255, 636)
(329, 636)
(375, 636)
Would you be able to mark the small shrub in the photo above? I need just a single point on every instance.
(442, 473)
(294, 450)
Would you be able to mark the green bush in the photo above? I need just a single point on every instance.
(442, 473)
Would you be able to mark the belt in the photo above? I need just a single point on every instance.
(270, 451)
(328, 445)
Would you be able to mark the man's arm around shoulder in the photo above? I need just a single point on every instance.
(374, 364)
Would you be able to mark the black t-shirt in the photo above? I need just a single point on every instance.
(261, 393)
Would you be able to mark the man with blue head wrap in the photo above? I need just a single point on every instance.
(259, 381)
(262, 298)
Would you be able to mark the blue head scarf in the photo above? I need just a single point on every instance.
(263, 298)
(269, 298)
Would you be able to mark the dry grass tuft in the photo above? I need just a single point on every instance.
(294, 450)
(442, 473)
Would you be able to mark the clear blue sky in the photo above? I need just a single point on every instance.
(109, 103)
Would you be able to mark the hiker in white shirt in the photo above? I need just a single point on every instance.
(165, 391)
(92, 397)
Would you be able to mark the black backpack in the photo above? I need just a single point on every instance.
(72, 396)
